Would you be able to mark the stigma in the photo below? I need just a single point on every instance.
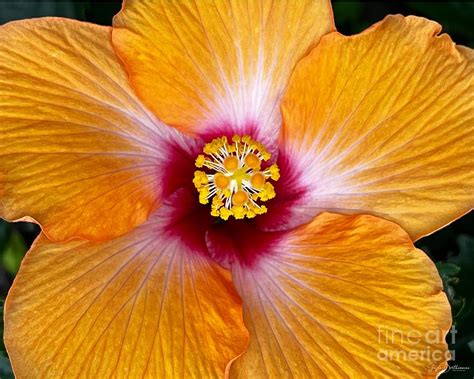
(235, 177)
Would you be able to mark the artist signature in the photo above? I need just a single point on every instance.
(451, 367)
(457, 368)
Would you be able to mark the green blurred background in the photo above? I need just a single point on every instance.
(452, 248)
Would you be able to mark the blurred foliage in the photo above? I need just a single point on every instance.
(455, 16)
(459, 284)
(5, 368)
(452, 248)
(12, 252)
(97, 12)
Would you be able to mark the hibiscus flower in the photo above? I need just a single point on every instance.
(231, 188)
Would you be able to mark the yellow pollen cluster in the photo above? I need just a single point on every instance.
(234, 181)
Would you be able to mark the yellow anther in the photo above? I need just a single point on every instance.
(231, 163)
(274, 172)
(200, 178)
(221, 181)
(200, 160)
(209, 149)
(217, 202)
(260, 211)
(250, 214)
(203, 195)
(225, 213)
(266, 156)
(267, 193)
(252, 161)
(247, 139)
(215, 206)
(238, 212)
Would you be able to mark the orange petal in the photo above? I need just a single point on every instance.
(383, 123)
(343, 297)
(78, 152)
(202, 65)
(137, 306)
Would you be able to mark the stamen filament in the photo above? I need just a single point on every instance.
(234, 180)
